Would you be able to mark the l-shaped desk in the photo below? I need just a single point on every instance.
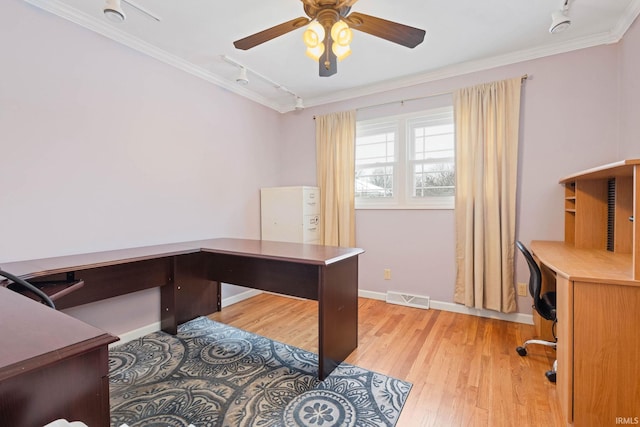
(190, 275)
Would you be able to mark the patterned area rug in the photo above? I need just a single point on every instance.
(211, 374)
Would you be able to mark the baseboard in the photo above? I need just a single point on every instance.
(240, 297)
(154, 327)
(137, 333)
(458, 308)
(435, 305)
(382, 296)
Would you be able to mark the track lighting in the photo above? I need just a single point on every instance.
(242, 77)
(560, 20)
(114, 12)
(243, 80)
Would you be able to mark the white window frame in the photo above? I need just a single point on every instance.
(403, 165)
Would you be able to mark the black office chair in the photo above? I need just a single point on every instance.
(544, 304)
(44, 298)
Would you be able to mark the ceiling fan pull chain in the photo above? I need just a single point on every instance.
(327, 60)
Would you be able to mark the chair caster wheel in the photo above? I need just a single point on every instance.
(551, 376)
(521, 351)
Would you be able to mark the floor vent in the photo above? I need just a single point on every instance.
(417, 301)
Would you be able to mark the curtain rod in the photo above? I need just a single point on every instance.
(402, 101)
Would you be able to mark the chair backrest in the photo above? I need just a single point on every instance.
(535, 277)
(28, 286)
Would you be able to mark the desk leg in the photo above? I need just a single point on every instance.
(168, 321)
(337, 314)
(189, 294)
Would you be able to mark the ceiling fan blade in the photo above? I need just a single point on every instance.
(388, 30)
(270, 33)
(328, 64)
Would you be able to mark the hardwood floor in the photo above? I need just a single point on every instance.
(464, 369)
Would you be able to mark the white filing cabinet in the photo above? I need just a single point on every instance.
(290, 214)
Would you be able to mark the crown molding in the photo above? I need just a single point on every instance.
(627, 19)
(91, 23)
(466, 68)
(60, 9)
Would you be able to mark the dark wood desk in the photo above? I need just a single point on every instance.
(190, 275)
(51, 366)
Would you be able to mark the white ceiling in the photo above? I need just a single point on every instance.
(462, 36)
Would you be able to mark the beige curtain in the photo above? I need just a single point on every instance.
(487, 122)
(335, 165)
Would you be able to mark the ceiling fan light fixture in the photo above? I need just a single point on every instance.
(328, 34)
(313, 35)
(315, 52)
(113, 11)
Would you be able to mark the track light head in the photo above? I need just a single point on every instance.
(242, 78)
(113, 11)
(559, 22)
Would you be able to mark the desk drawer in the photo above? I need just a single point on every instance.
(311, 228)
(310, 201)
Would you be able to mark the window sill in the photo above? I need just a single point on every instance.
(403, 207)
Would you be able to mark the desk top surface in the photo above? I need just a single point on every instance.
(585, 265)
(41, 338)
(283, 251)
(621, 168)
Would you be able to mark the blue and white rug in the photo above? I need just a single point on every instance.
(211, 375)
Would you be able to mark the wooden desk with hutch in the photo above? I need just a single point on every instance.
(597, 271)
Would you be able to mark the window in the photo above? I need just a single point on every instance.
(406, 161)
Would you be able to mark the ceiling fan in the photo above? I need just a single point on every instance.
(329, 17)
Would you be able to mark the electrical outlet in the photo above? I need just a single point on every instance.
(522, 289)
(387, 274)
